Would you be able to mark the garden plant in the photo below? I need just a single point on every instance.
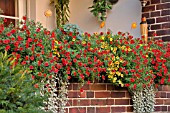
(50, 60)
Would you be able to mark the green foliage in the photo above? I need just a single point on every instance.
(62, 11)
(99, 8)
(17, 94)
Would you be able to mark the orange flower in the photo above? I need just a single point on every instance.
(134, 25)
(102, 24)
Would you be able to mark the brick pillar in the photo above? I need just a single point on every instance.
(157, 13)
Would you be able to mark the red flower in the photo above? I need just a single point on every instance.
(36, 85)
(27, 57)
(31, 67)
(162, 81)
(6, 41)
(45, 75)
(7, 47)
(33, 77)
(64, 61)
(24, 18)
(32, 58)
(132, 80)
(134, 86)
(127, 85)
(81, 90)
(46, 64)
(20, 38)
(24, 62)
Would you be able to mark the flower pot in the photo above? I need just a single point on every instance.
(143, 100)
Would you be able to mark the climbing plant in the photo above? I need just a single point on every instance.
(62, 11)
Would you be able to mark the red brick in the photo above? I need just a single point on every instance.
(164, 108)
(122, 101)
(168, 108)
(155, 14)
(98, 102)
(102, 94)
(151, 20)
(166, 38)
(148, 8)
(77, 110)
(162, 6)
(67, 110)
(163, 19)
(70, 87)
(159, 101)
(158, 94)
(102, 109)
(164, 1)
(147, 15)
(118, 109)
(168, 95)
(129, 109)
(80, 102)
(110, 87)
(163, 32)
(110, 101)
(163, 94)
(165, 12)
(156, 27)
(118, 94)
(78, 86)
(167, 102)
(73, 94)
(121, 88)
(90, 94)
(155, 1)
(158, 108)
(82, 94)
(165, 25)
(97, 86)
(150, 33)
(91, 110)
(165, 88)
(128, 95)
(69, 103)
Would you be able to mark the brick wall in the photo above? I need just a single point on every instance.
(105, 98)
(157, 13)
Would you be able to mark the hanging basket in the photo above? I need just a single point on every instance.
(143, 100)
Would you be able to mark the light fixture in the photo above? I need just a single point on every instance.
(144, 2)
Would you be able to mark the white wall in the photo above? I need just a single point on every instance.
(36, 9)
(120, 18)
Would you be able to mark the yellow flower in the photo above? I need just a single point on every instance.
(57, 53)
(122, 85)
(147, 56)
(110, 76)
(111, 39)
(56, 41)
(114, 79)
(83, 42)
(122, 75)
(73, 39)
(102, 37)
(117, 62)
(118, 73)
(117, 57)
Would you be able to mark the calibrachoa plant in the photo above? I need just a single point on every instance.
(135, 64)
(81, 59)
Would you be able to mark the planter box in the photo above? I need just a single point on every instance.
(106, 98)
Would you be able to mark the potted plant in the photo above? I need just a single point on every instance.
(99, 9)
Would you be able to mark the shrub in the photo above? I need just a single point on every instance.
(17, 93)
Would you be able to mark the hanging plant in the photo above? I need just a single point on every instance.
(100, 7)
(62, 11)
